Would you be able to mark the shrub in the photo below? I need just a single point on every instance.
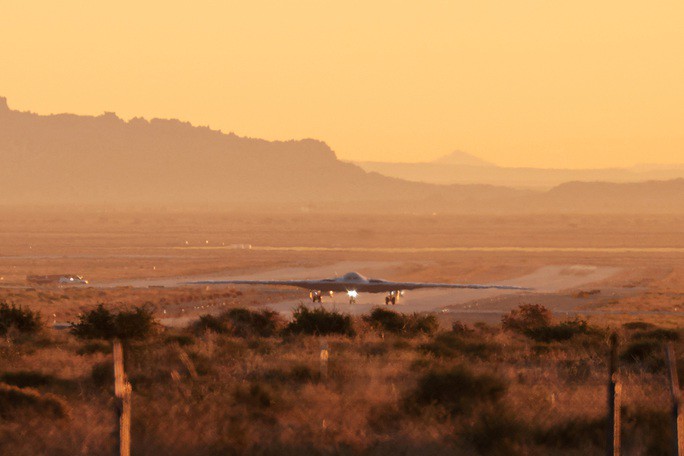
(102, 374)
(497, 432)
(101, 323)
(211, 323)
(319, 322)
(560, 332)
(457, 390)
(641, 351)
(262, 323)
(22, 319)
(180, 339)
(95, 324)
(395, 322)
(30, 379)
(572, 433)
(256, 396)
(386, 320)
(242, 322)
(137, 324)
(449, 345)
(458, 327)
(93, 347)
(526, 317)
(13, 398)
(659, 334)
(633, 325)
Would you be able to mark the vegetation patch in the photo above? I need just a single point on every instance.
(659, 334)
(563, 331)
(242, 322)
(572, 433)
(450, 345)
(394, 322)
(101, 323)
(526, 318)
(20, 318)
(13, 398)
(102, 374)
(497, 432)
(456, 390)
(320, 322)
(534, 321)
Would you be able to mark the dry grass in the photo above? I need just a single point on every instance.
(222, 394)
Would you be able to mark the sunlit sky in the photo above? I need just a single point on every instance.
(516, 82)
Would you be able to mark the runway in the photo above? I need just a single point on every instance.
(547, 279)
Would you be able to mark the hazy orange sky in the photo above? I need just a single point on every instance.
(520, 83)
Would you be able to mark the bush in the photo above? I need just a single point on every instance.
(96, 324)
(572, 433)
(557, 333)
(498, 432)
(30, 379)
(102, 374)
(93, 347)
(137, 324)
(398, 323)
(457, 390)
(256, 396)
(319, 322)
(526, 317)
(642, 351)
(101, 323)
(22, 319)
(657, 334)
(13, 398)
(449, 345)
(242, 322)
(634, 325)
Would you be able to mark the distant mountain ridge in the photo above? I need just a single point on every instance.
(462, 168)
(460, 158)
(92, 160)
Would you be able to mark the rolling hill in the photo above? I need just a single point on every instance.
(94, 160)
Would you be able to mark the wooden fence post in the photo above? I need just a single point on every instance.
(324, 360)
(677, 416)
(122, 391)
(614, 400)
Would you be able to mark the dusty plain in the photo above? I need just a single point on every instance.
(471, 386)
(133, 257)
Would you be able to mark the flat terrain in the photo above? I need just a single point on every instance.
(232, 385)
(605, 267)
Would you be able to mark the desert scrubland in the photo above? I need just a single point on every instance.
(459, 381)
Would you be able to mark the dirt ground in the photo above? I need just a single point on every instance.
(608, 268)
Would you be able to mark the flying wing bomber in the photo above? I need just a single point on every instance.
(354, 283)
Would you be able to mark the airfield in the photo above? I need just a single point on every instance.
(602, 267)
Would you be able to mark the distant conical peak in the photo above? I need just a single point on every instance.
(458, 157)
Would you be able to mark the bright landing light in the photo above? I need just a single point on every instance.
(352, 293)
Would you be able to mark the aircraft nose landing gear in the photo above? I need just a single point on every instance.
(352, 296)
(316, 296)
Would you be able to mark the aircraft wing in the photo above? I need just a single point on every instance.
(371, 286)
(389, 286)
(324, 285)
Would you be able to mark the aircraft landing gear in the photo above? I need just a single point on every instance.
(316, 296)
(391, 297)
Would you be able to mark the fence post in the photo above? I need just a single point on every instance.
(122, 391)
(324, 360)
(677, 417)
(614, 400)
